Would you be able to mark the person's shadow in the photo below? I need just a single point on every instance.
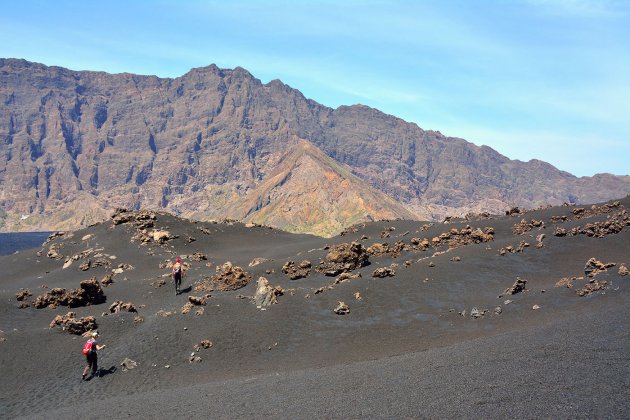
(104, 372)
(186, 290)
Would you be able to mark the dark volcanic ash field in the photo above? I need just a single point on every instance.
(426, 335)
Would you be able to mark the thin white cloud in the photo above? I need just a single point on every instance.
(582, 8)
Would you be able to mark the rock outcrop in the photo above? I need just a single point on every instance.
(266, 295)
(344, 257)
(89, 293)
(227, 277)
(73, 325)
(298, 271)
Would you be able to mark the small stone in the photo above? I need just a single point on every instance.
(535, 307)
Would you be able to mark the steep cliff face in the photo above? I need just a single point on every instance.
(214, 142)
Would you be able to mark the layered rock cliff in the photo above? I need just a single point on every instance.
(218, 143)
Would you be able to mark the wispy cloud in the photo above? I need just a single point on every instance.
(583, 8)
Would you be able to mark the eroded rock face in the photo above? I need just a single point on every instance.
(266, 295)
(107, 115)
(89, 293)
(73, 325)
(344, 257)
(294, 272)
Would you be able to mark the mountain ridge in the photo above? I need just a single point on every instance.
(207, 139)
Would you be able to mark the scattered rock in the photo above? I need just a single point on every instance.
(525, 226)
(456, 259)
(22, 294)
(199, 301)
(73, 325)
(161, 236)
(138, 320)
(498, 310)
(86, 265)
(297, 272)
(265, 294)
(128, 364)
(342, 309)
(54, 236)
(477, 313)
(513, 211)
(227, 277)
(194, 359)
(623, 270)
(119, 306)
(198, 256)
(536, 307)
(594, 267)
(521, 247)
(344, 277)
(107, 280)
(381, 249)
(517, 287)
(565, 281)
(560, 232)
(53, 252)
(358, 296)
(187, 307)
(258, 261)
(591, 287)
(165, 314)
(383, 272)
(343, 258)
(204, 230)
(89, 293)
(204, 344)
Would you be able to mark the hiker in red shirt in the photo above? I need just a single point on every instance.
(178, 273)
(89, 350)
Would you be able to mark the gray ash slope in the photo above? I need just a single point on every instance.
(403, 350)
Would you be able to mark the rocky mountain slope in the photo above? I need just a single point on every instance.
(218, 143)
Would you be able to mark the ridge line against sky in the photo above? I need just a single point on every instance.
(533, 79)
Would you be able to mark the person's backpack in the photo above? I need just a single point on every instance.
(87, 347)
(177, 268)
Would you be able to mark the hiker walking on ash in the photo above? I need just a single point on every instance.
(89, 350)
(178, 273)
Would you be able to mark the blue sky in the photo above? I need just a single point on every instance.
(534, 79)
